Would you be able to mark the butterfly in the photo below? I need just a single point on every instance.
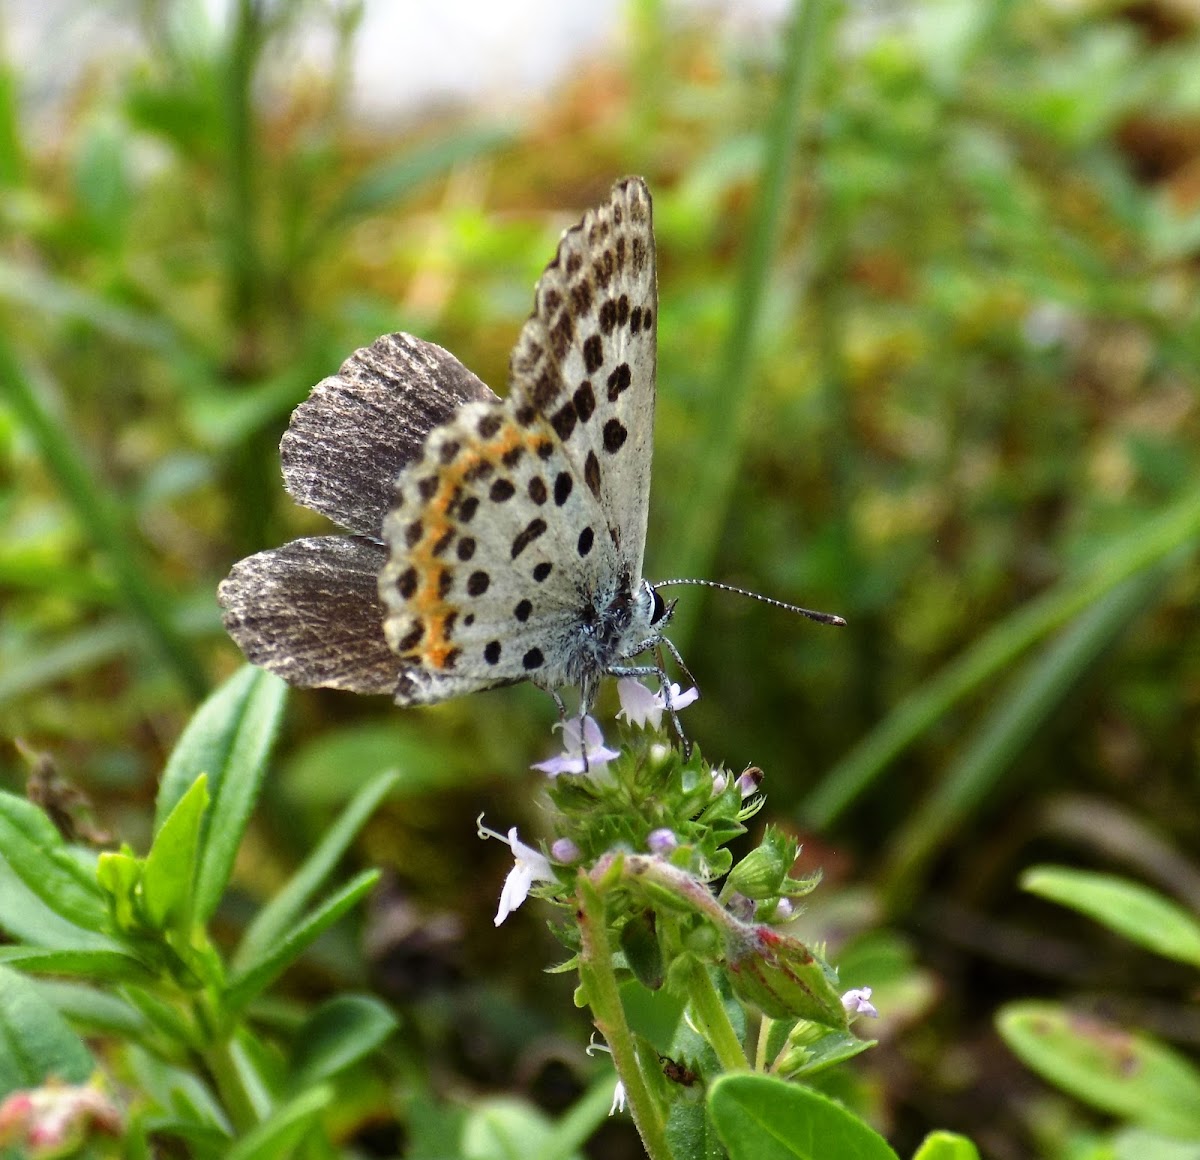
(492, 540)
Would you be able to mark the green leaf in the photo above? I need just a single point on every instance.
(1138, 913)
(93, 1010)
(504, 1128)
(392, 181)
(24, 917)
(1138, 1144)
(252, 980)
(35, 1041)
(338, 1034)
(276, 1137)
(946, 1146)
(1125, 1074)
(284, 909)
(762, 1118)
(579, 1123)
(36, 852)
(110, 966)
(230, 738)
(170, 868)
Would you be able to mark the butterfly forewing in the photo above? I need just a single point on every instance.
(586, 359)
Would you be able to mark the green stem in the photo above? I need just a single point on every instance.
(608, 1014)
(764, 1036)
(227, 1079)
(242, 259)
(730, 404)
(709, 1011)
(99, 515)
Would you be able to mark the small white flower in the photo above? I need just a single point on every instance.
(577, 741)
(720, 780)
(618, 1101)
(639, 706)
(530, 865)
(857, 1001)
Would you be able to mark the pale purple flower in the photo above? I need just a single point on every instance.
(577, 741)
(662, 841)
(720, 780)
(565, 851)
(640, 706)
(529, 866)
(857, 1001)
(749, 780)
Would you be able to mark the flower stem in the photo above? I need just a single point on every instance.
(709, 1011)
(764, 1037)
(608, 1014)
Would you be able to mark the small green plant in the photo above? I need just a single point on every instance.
(183, 1056)
(714, 1014)
(1153, 1091)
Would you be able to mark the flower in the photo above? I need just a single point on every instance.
(662, 841)
(618, 1100)
(640, 706)
(583, 749)
(857, 1001)
(530, 865)
(565, 851)
(56, 1117)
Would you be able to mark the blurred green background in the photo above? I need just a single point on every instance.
(929, 358)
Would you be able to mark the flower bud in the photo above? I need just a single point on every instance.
(782, 977)
(639, 941)
(565, 851)
(760, 873)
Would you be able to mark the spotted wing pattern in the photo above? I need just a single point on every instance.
(524, 521)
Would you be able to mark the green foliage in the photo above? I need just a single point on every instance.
(1126, 1075)
(760, 1118)
(1133, 1076)
(180, 1009)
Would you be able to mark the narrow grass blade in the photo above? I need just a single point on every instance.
(999, 646)
(1031, 698)
(98, 513)
(729, 406)
(283, 911)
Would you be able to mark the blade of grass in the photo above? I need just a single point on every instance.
(40, 663)
(729, 405)
(1145, 546)
(1032, 697)
(283, 911)
(99, 514)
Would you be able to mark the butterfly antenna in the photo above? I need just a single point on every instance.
(820, 617)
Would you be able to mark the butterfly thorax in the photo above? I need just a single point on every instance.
(614, 624)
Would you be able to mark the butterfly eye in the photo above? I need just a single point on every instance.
(659, 610)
